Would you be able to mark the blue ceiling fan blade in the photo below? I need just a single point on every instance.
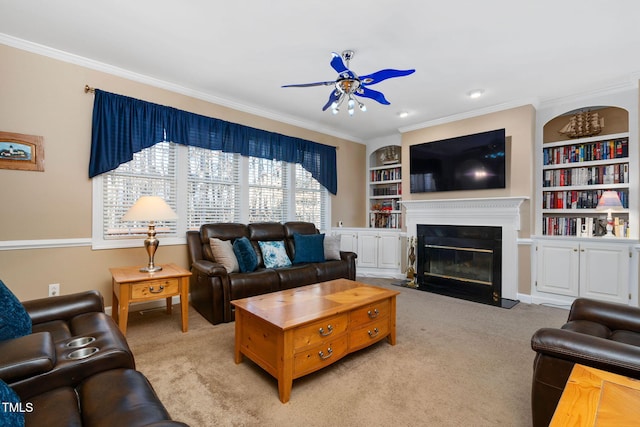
(381, 75)
(373, 94)
(332, 82)
(335, 95)
(337, 63)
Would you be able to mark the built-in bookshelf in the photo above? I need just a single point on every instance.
(575, 174)
(385, 188)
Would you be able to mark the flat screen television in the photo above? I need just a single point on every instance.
(470, 162)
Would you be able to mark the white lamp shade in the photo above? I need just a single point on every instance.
(609, 201)
(150, 208)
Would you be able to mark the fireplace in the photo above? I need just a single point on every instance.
(503, 212)
(461, 261)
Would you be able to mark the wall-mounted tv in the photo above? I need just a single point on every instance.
(470, 162)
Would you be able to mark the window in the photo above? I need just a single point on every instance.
(151, 172)
(310, 198)
(203, 186)
(267, 188)
(212, 187)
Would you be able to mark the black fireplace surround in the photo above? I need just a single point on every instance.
(461, 261)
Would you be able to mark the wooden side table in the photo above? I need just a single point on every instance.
(132, 285)
(595, 397)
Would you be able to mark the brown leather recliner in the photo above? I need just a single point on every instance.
(44, 359)
(101, 387)
(598, 334)
(212, 288)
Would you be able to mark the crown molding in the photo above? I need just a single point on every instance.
(470, 114)
(172, 87)
(630, 83)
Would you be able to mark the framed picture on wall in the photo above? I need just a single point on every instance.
(21, 152)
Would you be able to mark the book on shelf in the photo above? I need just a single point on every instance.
(586, 152)
(582, 226)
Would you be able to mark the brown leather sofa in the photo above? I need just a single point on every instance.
(598, 334)
(100, 387)
(212, 287)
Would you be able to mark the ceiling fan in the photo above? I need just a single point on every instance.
(349, 84)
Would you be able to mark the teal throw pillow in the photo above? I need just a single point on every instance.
(14, 319)
(274, 254)
(247, 258)
(309, 248)
(10, 410)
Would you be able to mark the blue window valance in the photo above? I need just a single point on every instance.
(123, 126)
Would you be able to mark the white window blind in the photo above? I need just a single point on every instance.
(310, 198)
(213, 193)
(203, 186)
(267, 190)
(151, 172)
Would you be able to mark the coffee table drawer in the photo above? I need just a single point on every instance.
(370, 313)
(319, 356)
(154, 288)
(369, 334)
(317, 332)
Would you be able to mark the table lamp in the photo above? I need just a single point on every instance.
(150, 208)
(609, 201)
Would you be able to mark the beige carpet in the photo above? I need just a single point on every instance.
(456, 363)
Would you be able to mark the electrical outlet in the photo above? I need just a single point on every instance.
(54, 289)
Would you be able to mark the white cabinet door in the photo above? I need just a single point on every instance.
(388, 251)
(367, 250)
(348, 241)
(604, 272)
(558, 268)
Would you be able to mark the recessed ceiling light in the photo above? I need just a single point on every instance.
(476, 93)
(402, 114)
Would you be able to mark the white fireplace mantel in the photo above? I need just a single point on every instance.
(501, 212)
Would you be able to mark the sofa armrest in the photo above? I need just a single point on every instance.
(63, 307)
(26, 356)
(612, 315)
(209, 268)
(588, 350)
(348, 256)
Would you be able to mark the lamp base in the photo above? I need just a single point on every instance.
(151, 269)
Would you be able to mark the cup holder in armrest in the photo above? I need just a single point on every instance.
(82, 353)
(80, 342)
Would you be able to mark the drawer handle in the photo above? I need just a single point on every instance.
(373, 314)
(153, 291)
(328, 355)
(374, 333)
(323, 333)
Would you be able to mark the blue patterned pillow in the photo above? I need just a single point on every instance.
(309, 248)
(274, 254)
(247, 258)
(8, 417)
(14, 319)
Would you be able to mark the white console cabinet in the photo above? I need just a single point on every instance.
(597, 269)
(379, 252)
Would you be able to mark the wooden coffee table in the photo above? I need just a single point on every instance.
(295, 332)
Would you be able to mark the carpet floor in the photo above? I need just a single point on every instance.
(456, 363)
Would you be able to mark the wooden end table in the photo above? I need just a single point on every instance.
(295, 332)
(595, 397)
(132, 285)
